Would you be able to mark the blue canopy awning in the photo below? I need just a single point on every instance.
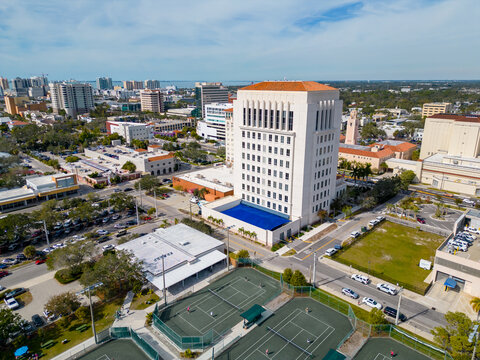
(450, 283)
(21, 351)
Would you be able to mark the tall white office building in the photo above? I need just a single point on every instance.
(209, 93)
(285, 158)
(212, 127)
(73, 98)
(152, 100)
(104, 83)
(152, 84)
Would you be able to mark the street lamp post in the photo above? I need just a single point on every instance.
(155, 201)
(228, 246)
(473, 337)
(136, 209)
(398, 307)
(88, 289)
(314, 268)
(163, 276)
(46, 232)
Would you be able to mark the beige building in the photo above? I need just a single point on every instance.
(430, 109)
(457, 135)
(151, 100)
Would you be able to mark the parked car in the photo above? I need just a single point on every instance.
(3, 266)
(9, 261)
(12, 303)
(389, 311)
(102, 239)
(15, 292)
(37, 320)
(420, 220)
(194, 199)
(386, 288)
(49, 316)
(106, 220)
(127, 189)
(116, 217)
(373, 222)
(131, 222)
(361, 278)
(120, 226)
(355, 234)
(472, 230)
(40, 261)
(330, 252)
(102, 232)
(469, 202)
(350, 293)
(12, 247)
(121, 233)
(108, 247)
(3, 273)
(372, 303)
(380, 218)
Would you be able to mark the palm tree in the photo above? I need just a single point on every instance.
(356, 172)
(475, 302)
(384, 166)
(336, 205)
(390, 207)
(367, 170)
(322, 214)
(253, 234)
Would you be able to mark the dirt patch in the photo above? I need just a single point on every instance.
(387, 257)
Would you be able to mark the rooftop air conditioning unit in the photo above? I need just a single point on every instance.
(183, 243)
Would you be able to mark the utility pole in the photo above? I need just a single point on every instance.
(473, 337)
(155, 201)
(398, 307)
(136, 208)
(228, 246)
(190, 202)
(91, 314)
(163, 275)
(46, 232)
(314, 268)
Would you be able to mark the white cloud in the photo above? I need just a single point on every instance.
(241, 40)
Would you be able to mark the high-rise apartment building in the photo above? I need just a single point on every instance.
(104, 83)
(152, 84)
(151, 100)
(133, 85)
(431, 109)
(208, 93)
(20, 86)
(4, 83)
(37, 81)
(73, 98)
(287, 148)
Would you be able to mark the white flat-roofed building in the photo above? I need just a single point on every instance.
(186, 251)
(212, 127)
(130, 130)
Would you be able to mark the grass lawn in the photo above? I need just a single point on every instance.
(25, 298)
(392, 252)
(140, 301)
(104, 317)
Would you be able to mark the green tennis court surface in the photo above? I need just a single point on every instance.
(380, 348)
(116, 350)
(296, 334)
(219, 305)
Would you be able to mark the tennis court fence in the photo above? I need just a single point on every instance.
(128, 333)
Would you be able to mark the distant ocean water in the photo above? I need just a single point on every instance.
(180, 84)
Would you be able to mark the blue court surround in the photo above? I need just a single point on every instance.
(257, 217)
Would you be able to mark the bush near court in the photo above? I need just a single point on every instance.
(392, 252)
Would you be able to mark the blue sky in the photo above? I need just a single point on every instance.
(241, 40)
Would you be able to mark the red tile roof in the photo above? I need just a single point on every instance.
(288, 86)
(467, 118)
(161, 157)
(140, 150)
(229, 110)
(342, 138)
(379, 154)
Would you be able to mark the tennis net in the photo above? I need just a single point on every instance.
(290, 341)
(228, 302)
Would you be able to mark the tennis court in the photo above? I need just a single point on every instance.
(293, 333)
(380, 348)
(219, 305)
(116, 350)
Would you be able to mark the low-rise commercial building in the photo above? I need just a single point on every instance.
(168, 126)
(37, 189)
(216, 180)
(130, 130)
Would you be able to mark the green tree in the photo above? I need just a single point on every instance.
(347, 210)
(243, 254)
(221, 152)
(63, 304)
(139, 144)
(384, 166)
(322, 214)
(454, 336)
(14, 226)
(121, 201)
(406, 178)
(72, 159)
(72, 256)
(385, 189)
(48, 214)
(30, 251)
(298, 279)
(287, 275)
(147, 183)
(376, 316)
(83, 313)
(10, 322)
(118, 271)
(458, 201)
(475, 303)
(416, 155)
(129, 166)
(371, 131)
(84, 211)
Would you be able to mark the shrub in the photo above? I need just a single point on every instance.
(65, 276)
(82, 313)
(243, 254)
(277, 246)
(149, 318)
(199, 225)
(287, 275)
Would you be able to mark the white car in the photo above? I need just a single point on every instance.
(472, 230)
(12, 303)
(119, 226)
(361, 278)
(108, 247)
(355, 234)
(350, 293)
(386, 288)
(78, 237)
(380, 218)
(469, 202)
(373, 222)
(194, 200)
(9, 261)
(372, 303)
(330, 252)
(102, 232)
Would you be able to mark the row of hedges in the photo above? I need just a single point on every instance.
(198, 225)
(65, 276)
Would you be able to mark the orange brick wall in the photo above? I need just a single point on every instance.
(190, 186)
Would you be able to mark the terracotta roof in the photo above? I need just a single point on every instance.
(154, 146)
(161, 157)
(288, 86)
(229, 110)
(404, 146)
(18, 123)
(379, 154)
(467, 118)
(140, 150)
(342, 138)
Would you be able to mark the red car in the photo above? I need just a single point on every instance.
(420, 220)
(146, 218)
(3, 274)
(40, 261)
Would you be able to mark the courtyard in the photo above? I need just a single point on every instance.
(392, 252)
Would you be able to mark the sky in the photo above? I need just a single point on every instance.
(220, 40)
